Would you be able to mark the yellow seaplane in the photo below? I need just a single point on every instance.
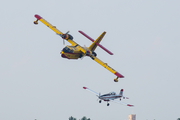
(75, 51)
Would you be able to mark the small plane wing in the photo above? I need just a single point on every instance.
(107, 67)
(96, 43)
(120, 102)
(91, 91)
(52, 28)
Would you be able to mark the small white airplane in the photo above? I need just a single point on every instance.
(110, 97)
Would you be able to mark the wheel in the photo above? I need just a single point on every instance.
(99, 101)
(108, 104)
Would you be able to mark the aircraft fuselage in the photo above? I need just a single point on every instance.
(71, 52)
(107, 97)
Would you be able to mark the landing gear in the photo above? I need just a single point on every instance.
(99, 101)
(36, 22)
(116, 80)
(120, 99)
(107, 104)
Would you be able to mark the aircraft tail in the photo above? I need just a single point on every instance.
(93, 46)
(96, 42)
(121, 92)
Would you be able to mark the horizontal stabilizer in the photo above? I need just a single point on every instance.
(123, 103)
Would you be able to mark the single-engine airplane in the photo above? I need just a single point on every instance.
(75, 51)
(110, 97)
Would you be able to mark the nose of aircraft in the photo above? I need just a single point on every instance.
(62, 54)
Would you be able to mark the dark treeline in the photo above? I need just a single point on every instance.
(84, 118)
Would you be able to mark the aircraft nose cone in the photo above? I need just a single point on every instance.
(63, 55)
(61, 52)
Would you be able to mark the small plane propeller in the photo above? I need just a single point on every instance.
(98, 95)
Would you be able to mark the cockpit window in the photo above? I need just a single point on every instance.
(67, 50)
(113, 93)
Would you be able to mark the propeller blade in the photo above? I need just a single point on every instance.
(67, 32)
(85, 48)
(63, 42)
(62, 36)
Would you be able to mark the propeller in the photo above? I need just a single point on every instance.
(98, 95)
(85, 53)
(64, 37)
(63, 42)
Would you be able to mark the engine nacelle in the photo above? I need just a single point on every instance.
(94, 53)
(67, 36)
(89, 53)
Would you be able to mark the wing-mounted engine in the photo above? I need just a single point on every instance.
(67, 36)
(90, 53)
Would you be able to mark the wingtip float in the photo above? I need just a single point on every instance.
(75, 51)
(38, 18)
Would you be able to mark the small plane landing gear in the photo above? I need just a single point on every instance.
(107, 104)
(36, 22)
(116, 80)
(99, 101)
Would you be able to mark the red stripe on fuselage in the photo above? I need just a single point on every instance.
(64, 56)
(114, 97)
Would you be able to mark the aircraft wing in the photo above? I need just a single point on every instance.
(48, 24)
(52, 27)
(120, 102)
(107, 66)
(91, 91)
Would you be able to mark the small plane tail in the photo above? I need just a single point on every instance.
(121, 92)
(93, 46)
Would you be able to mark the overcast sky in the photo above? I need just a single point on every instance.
(36, 83)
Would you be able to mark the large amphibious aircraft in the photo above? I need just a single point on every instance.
(110, 97)
(75, 51)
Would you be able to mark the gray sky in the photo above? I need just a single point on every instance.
(36, 83)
